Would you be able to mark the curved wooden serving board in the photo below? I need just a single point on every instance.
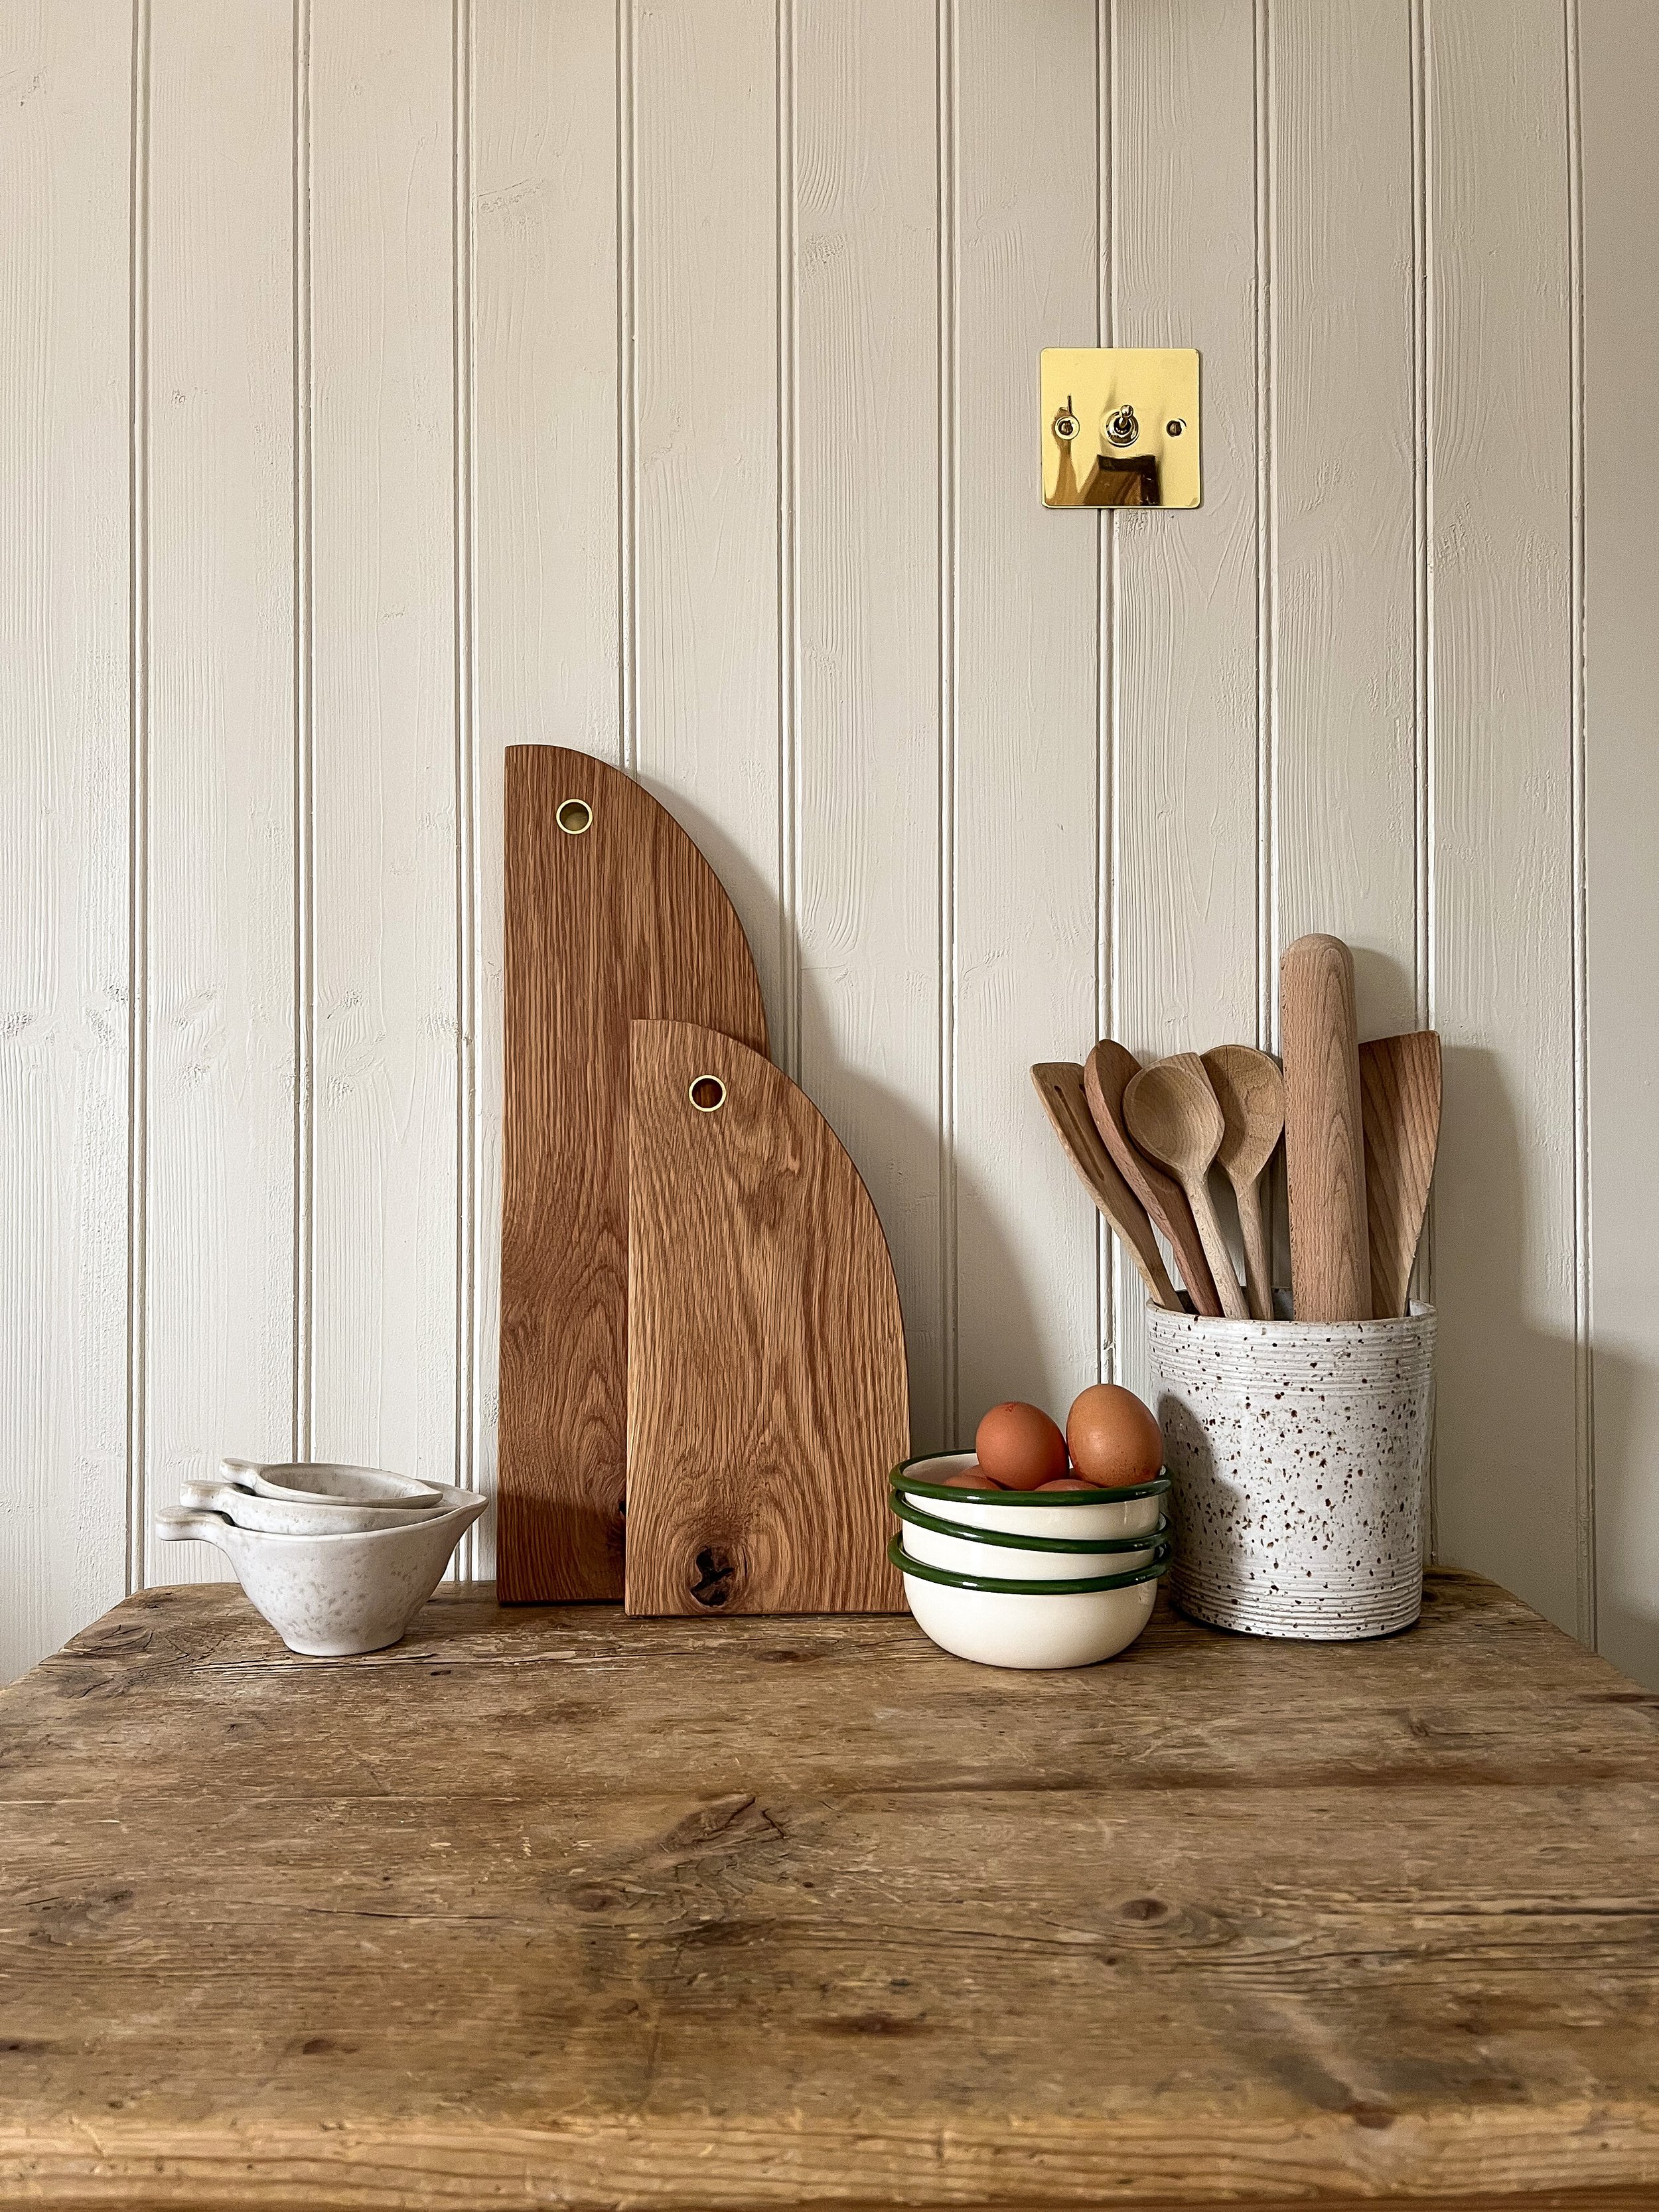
(622, 919)
(766, 1395)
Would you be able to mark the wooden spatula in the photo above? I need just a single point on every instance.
(1060, 1087)
(1171, 1112)
(1107, 1074)
(1250, 1092)
(1400, 1104)
(1324, 1143)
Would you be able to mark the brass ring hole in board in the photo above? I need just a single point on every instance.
(707, 1094)
(574, 816)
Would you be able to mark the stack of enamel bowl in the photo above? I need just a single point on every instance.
(338, 1558)
(1027, 1578)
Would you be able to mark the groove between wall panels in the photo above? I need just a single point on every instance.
(305, 765)
(1423, 608)
(1107, 1298)
(468, 936)
(1423, 696)
(1584, 1375)
(627, 739)
(789, 790)
(1267, 550)
(137, 1512)
(945, 124)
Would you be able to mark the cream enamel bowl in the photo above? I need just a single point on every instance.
(330, 1597)
(1135, 1511)
(978, 1553)
(1024, 1625)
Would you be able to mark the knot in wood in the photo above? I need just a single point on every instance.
(717, 1577)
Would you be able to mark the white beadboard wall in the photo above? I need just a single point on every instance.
(383, 382)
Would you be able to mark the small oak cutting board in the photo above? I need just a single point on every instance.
(767, 1393)
(610, 912)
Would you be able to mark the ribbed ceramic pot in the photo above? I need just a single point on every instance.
(1297, 1451)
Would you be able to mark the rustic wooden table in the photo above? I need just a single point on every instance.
(556, 1907)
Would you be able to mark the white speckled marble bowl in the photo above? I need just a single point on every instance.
(1297, 1451)
(306, 1480)
(273, 1514)
(330, 1597)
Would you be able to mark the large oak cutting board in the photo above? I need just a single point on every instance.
(611, 912)
(766, 1380)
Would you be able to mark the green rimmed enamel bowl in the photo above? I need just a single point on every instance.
(978, 1552)
(998, 1621)
(1135, 1511)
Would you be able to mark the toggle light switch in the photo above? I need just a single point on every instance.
(1120, 427)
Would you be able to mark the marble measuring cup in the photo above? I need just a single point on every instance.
(308, 1517)
(330, 1597)
(313, 1479)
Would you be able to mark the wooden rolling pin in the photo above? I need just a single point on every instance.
(1324, 1132)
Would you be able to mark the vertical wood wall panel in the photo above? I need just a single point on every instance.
(546, 483)
(384, 821)
(1344, 661)
(222, 721)
(1621, 334)
(867, 584)
(703, 500)
(659, 376)
(65, 101)
(1026, 754)
(1503, 1256)
(1184, 267)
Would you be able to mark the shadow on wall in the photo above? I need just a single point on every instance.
(895, 1148)
(1627, 1400)
(1506, 1420)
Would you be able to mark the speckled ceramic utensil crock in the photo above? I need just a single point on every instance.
(1297, 1451)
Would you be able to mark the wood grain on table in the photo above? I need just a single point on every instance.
(550, 1906)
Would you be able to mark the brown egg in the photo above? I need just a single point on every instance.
(969, 1478)
(1020, 1446)
(1114, 1438)
(1068, 1482)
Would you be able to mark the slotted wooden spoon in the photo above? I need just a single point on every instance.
(1172, 1113)
(1250, 1092)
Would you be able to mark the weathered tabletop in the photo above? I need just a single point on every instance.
(550, 1907)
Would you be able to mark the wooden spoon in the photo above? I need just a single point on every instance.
(1399, 1107)
(1107, 1073)
(1172, 1113)
(1250, 1092)
(1059, 1085)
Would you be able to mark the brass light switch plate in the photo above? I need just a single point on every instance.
(1120, 426)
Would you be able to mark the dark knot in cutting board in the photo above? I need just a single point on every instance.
(716, 1578)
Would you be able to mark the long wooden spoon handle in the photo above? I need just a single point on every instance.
(1324, 1140)
(1215, 1248)
(1060, 1087)
(1258, 1264)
